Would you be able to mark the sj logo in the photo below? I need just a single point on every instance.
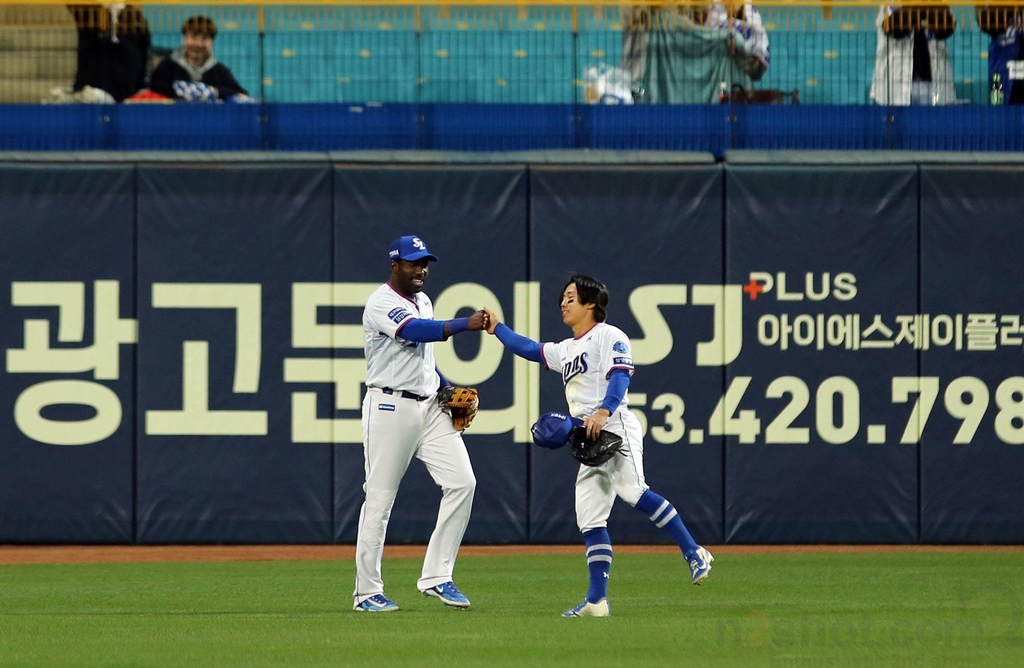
(574, 368)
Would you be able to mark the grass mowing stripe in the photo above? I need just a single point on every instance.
(905, 609)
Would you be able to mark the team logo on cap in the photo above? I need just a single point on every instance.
(416, 243)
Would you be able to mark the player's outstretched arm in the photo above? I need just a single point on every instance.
(525, 347)
(420, 330)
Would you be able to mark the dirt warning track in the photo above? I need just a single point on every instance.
(104, 554)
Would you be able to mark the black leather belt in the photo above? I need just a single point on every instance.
(403, 394)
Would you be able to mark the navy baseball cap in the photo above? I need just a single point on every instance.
(410, 248)
(552, 430)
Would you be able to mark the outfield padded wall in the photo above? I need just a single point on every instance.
(247, 283)
(809, 482)
(68, 224)
(971, 249)
(213, 247)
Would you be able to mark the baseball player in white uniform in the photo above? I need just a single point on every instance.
(402, 420)
(596, 366)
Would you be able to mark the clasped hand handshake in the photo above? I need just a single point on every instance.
(482, 320)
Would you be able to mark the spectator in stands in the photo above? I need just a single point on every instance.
(685, 55)
(113, 49)
(1006, 49)
(912, 63)
(636, 39)
(191, 73)
(747, 40)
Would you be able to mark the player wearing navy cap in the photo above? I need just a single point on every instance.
(596, 366)
(402, 420)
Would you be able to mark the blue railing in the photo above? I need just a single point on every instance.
(506, 127)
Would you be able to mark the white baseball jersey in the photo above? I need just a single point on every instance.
(397, 428)
(391, 361)
(585, 364)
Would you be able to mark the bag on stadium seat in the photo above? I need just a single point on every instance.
(607, 85)
(741, 95)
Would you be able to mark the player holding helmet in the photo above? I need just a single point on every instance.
(596, 366)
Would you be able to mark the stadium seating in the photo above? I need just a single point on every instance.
(474, 54)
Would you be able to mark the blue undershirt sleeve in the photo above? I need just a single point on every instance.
(618, 383)
(428, 331)
(524, 347)
(419, 330)
(457, 326)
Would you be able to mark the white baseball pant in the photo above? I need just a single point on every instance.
(622, 476)
(394, 430)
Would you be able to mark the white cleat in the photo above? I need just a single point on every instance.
(586, 609)
(700, 565)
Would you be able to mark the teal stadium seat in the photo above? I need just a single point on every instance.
(507, 66)
(294, 66)
(969, 50)
(509, 55)
(372, 65)
(537, 65)
(458, 66)
(357, 65)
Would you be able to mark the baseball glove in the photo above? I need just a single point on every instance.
(594, 452)
(461, 403)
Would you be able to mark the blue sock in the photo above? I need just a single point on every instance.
(599, 562)
(664, 516)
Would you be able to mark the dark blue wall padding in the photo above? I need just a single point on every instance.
(809, 221)
(474, 220)
(70, 224)
(508, 127)
(55, 127)
(972, 242)
(822, 243)
(267, 225)
(187, 127)
(324, 127)
(632, 227)
(471, 127)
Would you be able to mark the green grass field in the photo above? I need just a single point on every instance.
(901, 609)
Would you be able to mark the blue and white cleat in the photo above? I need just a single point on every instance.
(700, 565)
(449, 595)
(588, 609)
(376, 603)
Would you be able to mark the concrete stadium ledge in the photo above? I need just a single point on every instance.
(581, 157)
(739, 157)
(559, 157)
